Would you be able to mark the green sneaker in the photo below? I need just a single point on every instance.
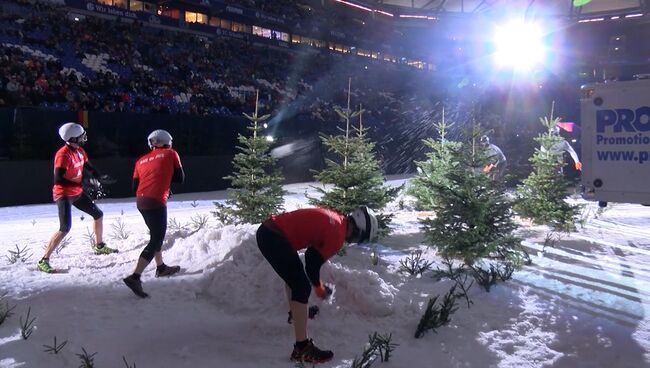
(101, 248)
(44, 265)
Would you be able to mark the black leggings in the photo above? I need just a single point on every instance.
(285, 261)
(156, 220)
(83, 203)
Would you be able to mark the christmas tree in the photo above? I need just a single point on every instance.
(355, 174)
(473, 215)
(541, 196)
(433, 172)
(256, 180)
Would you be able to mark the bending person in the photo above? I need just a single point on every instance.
(496, 165)
(560, 147)
(564, 146)
(322, 232)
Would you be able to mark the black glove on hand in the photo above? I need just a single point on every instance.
(93, 188)
(313, 311)
(107, 179)
(323, 291)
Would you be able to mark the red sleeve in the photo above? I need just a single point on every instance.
(330, 246)
(333, 239)
(61, 160)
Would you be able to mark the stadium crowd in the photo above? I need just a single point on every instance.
(320, 14)
(53, 61)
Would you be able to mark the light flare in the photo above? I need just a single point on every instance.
(519, 45)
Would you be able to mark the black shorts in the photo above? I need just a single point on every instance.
(285, 261)
(156, 221)
(82, 202)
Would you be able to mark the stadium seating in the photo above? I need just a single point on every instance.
(104, 65)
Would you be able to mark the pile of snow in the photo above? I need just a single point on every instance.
(583, 303)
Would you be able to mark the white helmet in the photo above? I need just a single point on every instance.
(159, 138)
(366, 222)
(555, 129)
(72, 133)
(485, 140)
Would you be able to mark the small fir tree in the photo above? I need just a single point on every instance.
(356, 176)
(433, 172)
(541, 196)
(256, 180)
(473, 215)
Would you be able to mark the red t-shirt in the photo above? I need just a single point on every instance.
(155, 171)
(72, 160)
(319, 228)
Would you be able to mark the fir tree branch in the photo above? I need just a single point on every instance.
(382, 345)
(90, 237)
(127, 363)
(368, 357)
(414, 264)
(6, 310)
(120, 231)
(494, 273)
(87, 360)
(27, 326)
(436, 316)
(55, 348)
(20, 254)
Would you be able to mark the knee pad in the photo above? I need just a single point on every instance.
(300, 291)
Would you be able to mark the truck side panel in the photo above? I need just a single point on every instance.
(616, 142)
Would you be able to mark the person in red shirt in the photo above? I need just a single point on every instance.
(70, 162)
(322, 232)
(153, 174)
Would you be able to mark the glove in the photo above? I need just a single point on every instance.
(579, 166)
(94, 189)
(313, 311)
(94, 184)
(487, 168)
(323, 291)
(107, 180)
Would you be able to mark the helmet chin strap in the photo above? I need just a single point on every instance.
(366, 233)
(356, 232)
(78, 141)
(358, 235)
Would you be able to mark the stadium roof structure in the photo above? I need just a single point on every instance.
(553, 8)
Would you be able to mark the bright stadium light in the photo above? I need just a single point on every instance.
(519, 45)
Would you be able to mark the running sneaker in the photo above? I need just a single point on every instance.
(164, 270)
(44, 265)
(310, 354)
(101, 248)
(135, 285)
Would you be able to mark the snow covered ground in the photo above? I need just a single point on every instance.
(583, 303)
